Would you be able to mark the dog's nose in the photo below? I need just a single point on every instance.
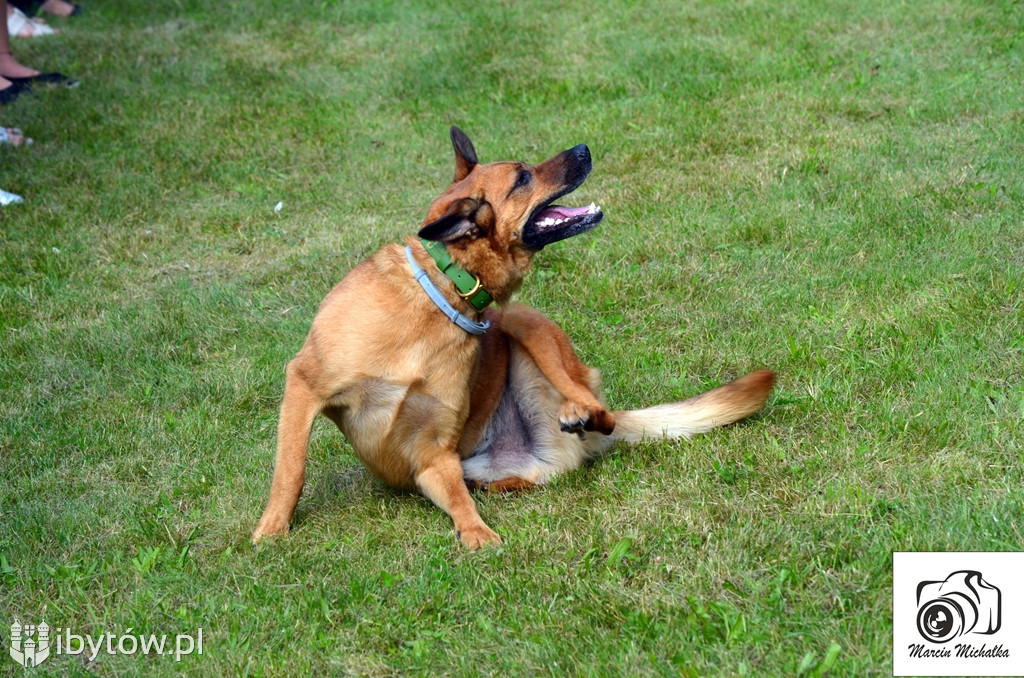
(580, 153)
(578, 166)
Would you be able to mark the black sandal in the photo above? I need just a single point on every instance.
(8, 95)
(52, 79)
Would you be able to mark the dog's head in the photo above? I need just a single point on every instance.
(495, 217)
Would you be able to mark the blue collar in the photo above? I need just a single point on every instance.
(435, 295)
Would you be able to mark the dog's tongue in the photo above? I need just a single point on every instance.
(557, 222)
(556, 213)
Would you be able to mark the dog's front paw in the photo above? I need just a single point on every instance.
(577, 417)
(478, 536)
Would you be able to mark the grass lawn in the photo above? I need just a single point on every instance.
(831, 190)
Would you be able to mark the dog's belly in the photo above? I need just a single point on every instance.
(365, 414)
(368, 409)
(390, 424)
(523, 438)
(510, 436)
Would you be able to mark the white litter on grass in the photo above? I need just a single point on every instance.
(279, 206)
(55, 250)
(9, 198)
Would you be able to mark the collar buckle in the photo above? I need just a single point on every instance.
(467, 285)
(476, 288)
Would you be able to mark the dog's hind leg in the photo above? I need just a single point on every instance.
(441, 482)
(298, 410)
(424, 433)
(552, 352)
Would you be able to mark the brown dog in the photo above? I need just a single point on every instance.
(432, 398)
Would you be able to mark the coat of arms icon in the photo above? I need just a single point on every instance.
(30, 645)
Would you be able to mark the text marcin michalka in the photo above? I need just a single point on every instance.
(962, 651)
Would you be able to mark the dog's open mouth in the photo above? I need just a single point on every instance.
(551, 223)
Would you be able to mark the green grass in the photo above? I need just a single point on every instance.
(832, 190)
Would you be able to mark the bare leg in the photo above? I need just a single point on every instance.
(8, 64)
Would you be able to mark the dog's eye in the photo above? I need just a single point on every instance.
(522, 179)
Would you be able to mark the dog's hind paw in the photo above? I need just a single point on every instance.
(576, 417)
(478, 536)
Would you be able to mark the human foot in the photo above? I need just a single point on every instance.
(13, 136)
(29, 78)
(10, 68)
(62, 8)
(22, 26)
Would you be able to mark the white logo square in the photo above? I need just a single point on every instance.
(958, 614)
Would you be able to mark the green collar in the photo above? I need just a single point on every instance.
(467, 284)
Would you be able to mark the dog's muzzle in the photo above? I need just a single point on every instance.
(550, 223)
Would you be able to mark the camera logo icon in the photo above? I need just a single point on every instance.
(960, 604)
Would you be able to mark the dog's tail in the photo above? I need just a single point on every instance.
(718, 407)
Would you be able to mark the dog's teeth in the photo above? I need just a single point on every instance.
(591, 207)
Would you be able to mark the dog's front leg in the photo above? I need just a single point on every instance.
(298, 410)
(440, 480)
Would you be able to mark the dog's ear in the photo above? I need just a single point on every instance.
(458, 221)
(465, 154)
